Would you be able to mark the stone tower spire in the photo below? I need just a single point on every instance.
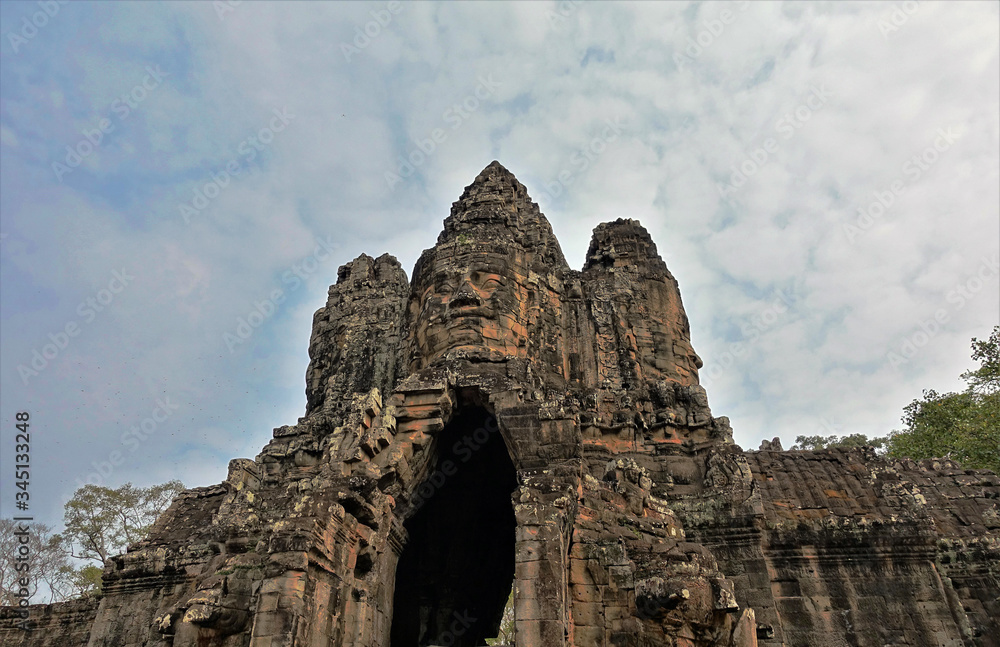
(497, 208)
(504, 425)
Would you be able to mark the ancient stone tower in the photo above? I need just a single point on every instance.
(501, 421)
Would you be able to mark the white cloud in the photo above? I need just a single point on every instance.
(324, 176)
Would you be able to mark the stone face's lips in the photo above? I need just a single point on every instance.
(460, 312)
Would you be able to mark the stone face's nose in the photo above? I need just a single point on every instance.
(466, 295)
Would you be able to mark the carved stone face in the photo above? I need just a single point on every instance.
(220, 608)
(470, 300)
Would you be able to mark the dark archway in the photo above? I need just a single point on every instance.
(456, 571)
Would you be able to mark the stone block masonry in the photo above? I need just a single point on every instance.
(501, 426)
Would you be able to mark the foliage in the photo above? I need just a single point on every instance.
(506, 634)
(87, 580)
(829, 442)
(962, 426)
(46, 568)
(985, 380)
(101, 522)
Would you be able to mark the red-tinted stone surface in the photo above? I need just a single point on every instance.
(504, 421)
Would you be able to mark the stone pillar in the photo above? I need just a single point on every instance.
(540, 573)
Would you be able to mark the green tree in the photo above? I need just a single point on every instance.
(101, 522)
(44, 568)
(86, 580)
(963, 426)
(985, 380)
(829, 442)
(505, 636)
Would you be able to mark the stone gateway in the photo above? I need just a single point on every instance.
(502, 427)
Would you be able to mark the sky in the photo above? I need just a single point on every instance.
(179, 183)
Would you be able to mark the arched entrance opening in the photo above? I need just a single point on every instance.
(455, 572)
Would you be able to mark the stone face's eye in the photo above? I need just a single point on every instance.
(431, 292)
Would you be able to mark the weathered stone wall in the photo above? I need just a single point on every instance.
(635, 301)
(841, 547)
(64, 624)
(503, 423)
(356, 336)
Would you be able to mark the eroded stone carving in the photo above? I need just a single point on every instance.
(502, 423)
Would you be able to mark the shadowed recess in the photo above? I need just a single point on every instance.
(456, 571)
